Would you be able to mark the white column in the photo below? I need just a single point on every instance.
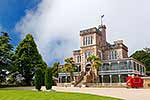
(66, 78)
(110, 76)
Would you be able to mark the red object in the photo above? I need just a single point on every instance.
(128, 81)
(134, 82)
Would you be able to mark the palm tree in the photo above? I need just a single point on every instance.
(69, 67)
(95, 63)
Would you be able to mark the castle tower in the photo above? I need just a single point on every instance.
(92, 41)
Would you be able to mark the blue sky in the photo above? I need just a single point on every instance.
(11, 11)
(55, 24)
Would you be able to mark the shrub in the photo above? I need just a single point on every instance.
(38, 78)
(48, 78)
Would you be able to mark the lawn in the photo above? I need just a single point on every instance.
(32, 95)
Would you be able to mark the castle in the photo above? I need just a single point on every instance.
(116, 65)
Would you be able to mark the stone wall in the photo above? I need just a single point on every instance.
(146, 82)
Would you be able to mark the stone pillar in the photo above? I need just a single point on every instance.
(110, 76)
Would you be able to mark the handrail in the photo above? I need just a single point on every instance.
(81, 78)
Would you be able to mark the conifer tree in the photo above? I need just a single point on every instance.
(28, 59)
(6, 52)
(48, 78)
(38, 79)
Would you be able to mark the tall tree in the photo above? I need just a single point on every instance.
(38, 79)
(28, 59)
(6, 52)
(95, 63)
(69, 67)
(144, 57)
(48, 78)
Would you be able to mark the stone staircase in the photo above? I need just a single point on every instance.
(81, 80)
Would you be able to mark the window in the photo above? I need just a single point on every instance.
(113, 54)
(91, 39)
(78, 59)
(123, 65)
(134, 65)
(87, 53)
(86, 39)
(83, 40)
(138, 69)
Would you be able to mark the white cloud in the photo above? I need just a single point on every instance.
(56, 24)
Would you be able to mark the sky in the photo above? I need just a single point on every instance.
(55, 24)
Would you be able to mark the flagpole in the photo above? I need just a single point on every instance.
(101, 21)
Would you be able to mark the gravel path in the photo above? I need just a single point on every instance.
(123, 93)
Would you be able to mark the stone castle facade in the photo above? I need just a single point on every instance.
(93, 42)
(116, 65)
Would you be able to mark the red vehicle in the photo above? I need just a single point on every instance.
(134, 82)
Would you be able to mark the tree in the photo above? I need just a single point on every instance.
(55, 69)
(6, 52)
(144, 57)
(69, 67)
(95, 64)
(38, 79)
(27, 59)
(48, 78)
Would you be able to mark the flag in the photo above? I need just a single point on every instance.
(102, 16)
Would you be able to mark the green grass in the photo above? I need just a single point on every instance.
(32, 95)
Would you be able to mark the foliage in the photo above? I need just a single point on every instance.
(6, 52)
(30, 95)
(144, 57)
(48, 78)
(55, 69)
(27, 59)
(69, 67)
(38, 78)
(95, 64)
(95, 61)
